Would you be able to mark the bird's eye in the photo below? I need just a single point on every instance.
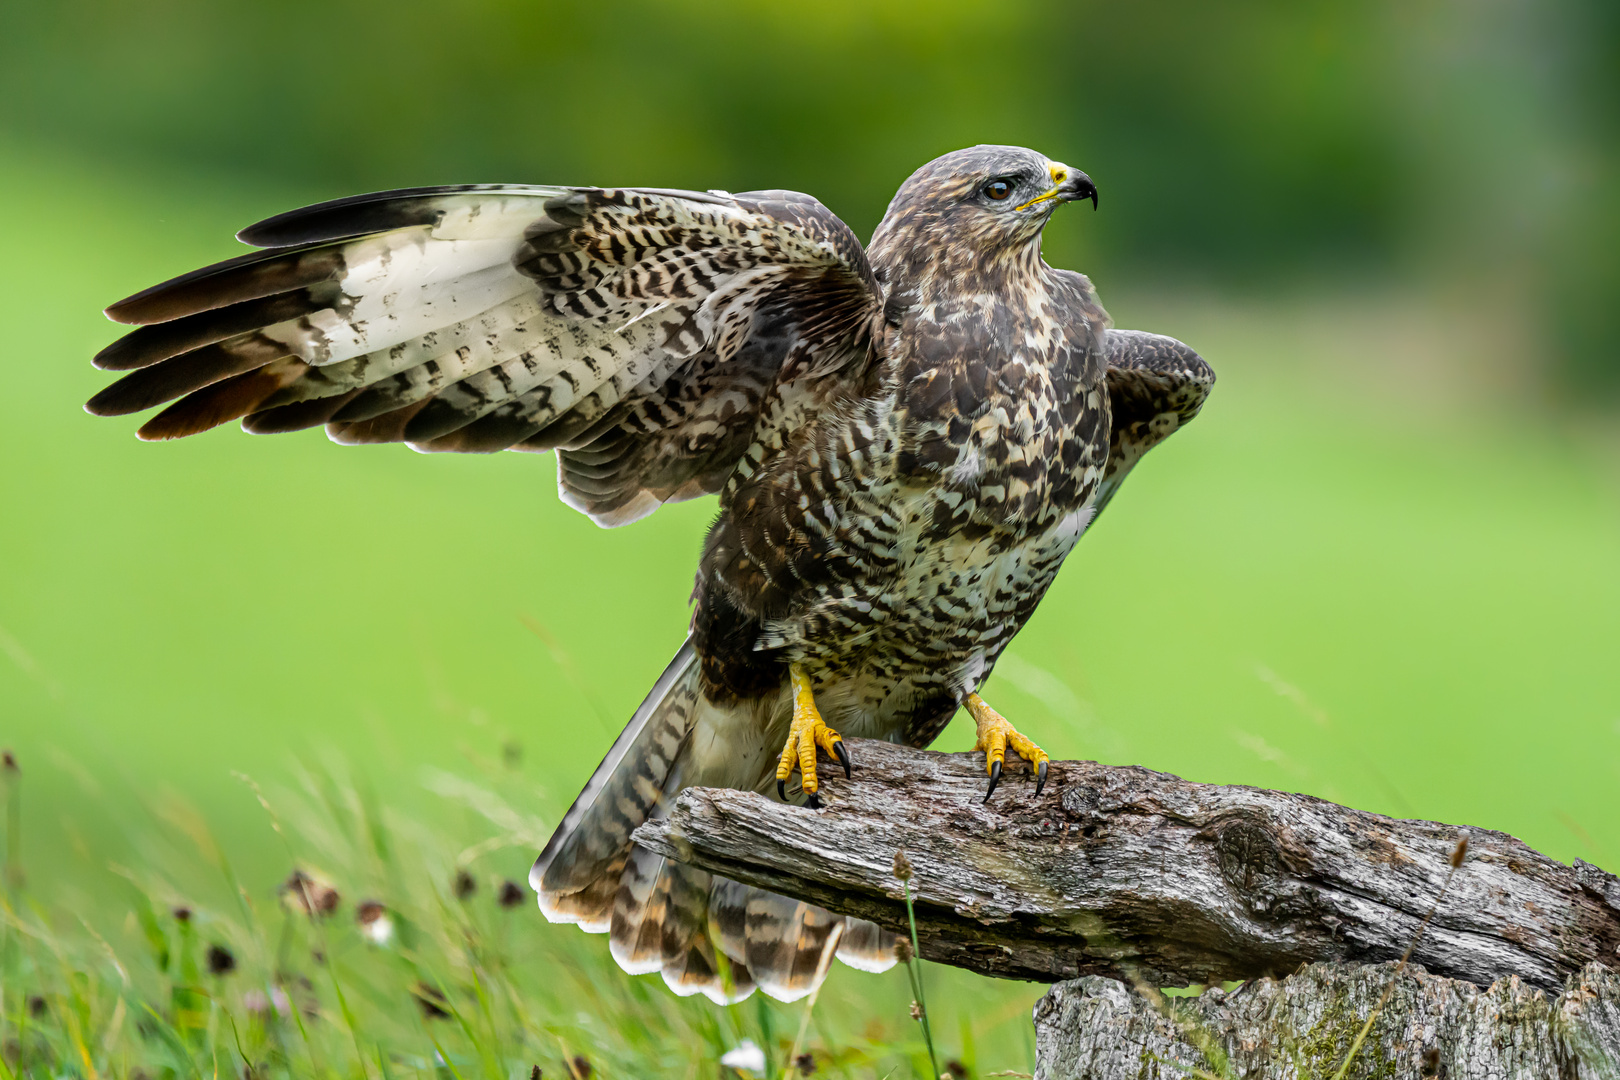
(997, 190)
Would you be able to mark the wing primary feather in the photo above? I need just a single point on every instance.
(147, 387)
(379, 211)
(483, 317)
(247, 277)
(485, 435)
(224, 401)
(150, 344)
(389, 427)
(295, 417)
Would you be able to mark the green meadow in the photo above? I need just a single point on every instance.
(1357, 575)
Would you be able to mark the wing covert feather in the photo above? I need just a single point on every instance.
(1156, 385)
(640, 327)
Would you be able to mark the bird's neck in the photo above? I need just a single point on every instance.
(933, 274)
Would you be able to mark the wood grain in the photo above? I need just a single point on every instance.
(1147, 878)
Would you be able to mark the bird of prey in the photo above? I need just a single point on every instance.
(906, 440)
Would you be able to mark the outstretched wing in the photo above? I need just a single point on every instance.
(636, 331)
(1155, 386)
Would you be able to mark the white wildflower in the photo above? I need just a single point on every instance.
(746, 1057)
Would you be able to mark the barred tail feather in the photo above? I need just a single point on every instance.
(785, 941)
(691, 964)
(866, 946)
(636, 934)
(703, 934)
(593, 840)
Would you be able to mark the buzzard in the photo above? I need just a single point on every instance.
(906, 439)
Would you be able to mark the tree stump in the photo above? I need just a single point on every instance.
(1302, 1027)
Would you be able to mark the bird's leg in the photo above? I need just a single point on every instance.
(807, 732)
(995, 736)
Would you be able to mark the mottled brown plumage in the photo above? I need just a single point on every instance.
(906, 442)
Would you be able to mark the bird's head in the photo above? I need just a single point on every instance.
(985, 200)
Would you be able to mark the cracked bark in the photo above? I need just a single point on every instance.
(1148, 879)
(1302, 1027)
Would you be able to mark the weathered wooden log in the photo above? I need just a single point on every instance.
(1141, 876)
(1303, 1027)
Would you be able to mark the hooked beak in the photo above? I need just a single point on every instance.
(1079, 186)
(1068, 185)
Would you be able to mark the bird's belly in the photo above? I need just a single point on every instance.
(932, 624)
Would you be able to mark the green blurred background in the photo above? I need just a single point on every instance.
(1383, 567)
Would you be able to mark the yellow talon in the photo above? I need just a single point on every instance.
(995, 736)
(807, 732)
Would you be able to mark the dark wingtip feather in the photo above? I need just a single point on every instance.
(486, 435)
(223, 401)
(150, 344)
(361, 215)
(372, 401)
(436, 419)
(389, 427)
(246, 277)
(146, 387)
(296, 416)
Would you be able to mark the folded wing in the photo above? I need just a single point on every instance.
(635, 331)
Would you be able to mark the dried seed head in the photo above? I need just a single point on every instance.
(312, 896)
(916, 1011)
(902, 866)
(805, 1063)
(8, 761)
(221, 961)
(182, 914)
(580, 1067)
(511, 894)
(1460, 852)
(956, 1070)
(464, 885)
(902, 950)
(375, 925)
(534, 1073)
(36, 1005)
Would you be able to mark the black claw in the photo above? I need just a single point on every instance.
(1040, 777)
(843, 756)
(995, 778)
(781, 790)
(814, 801)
